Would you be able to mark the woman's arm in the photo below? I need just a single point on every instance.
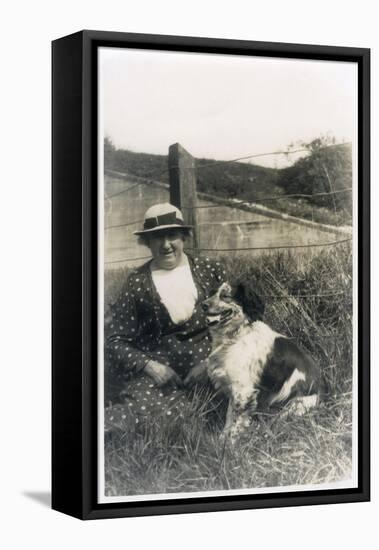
(162, 374)
(123, 352)
(122, 331)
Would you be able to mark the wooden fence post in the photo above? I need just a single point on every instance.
(183, 191)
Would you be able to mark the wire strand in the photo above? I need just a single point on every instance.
(238, 249)
(108, 197)
(272, 153)
(262, 199)
(332, 243)
(237, 205)
(127, 260)
(326, 295)
(122, 225)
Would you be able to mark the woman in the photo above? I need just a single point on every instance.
(159, 341)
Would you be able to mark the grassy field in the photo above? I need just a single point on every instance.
(308, 297)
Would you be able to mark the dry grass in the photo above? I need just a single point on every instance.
(186, 454)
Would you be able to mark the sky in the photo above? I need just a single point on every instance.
(223, 107)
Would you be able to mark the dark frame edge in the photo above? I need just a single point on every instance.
(90, 288)
(364, 171)
(67, 421)
(223, 45)
(209, 505)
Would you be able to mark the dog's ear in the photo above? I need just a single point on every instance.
(252, 304)
(239, 294)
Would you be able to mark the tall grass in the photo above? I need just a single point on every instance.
(308, 297)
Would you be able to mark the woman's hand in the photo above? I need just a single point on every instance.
(197, 375)
(162, 374)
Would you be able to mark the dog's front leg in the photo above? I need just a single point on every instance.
(229, 431)
(238, 419)
(239, 415)
(229, 418)
(241, 422)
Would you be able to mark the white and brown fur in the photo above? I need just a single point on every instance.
(254, 366)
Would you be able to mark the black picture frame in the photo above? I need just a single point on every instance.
(74, 272)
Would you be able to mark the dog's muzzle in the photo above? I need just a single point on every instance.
(217, 318)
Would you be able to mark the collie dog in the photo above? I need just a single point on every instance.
(254, 366)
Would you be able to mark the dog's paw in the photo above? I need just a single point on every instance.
(227, 437)
(300, 405)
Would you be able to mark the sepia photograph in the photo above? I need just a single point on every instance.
(227, 274)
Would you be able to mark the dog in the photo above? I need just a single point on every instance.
(254, 366)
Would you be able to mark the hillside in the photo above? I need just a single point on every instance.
(323, 170)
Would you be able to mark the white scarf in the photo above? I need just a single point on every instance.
(177, 291)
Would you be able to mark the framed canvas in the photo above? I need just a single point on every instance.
(210, 274)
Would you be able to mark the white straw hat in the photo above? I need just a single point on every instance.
(162, 216)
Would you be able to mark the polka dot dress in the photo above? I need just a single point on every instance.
(180, 347)
(146, 332)
(144, 399)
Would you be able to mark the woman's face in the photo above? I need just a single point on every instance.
(166, 248)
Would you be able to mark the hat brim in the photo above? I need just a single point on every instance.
(162, 228)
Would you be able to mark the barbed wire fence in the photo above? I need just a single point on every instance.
(236, 204)
(152, 179)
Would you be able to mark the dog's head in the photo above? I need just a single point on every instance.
(230, 306)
